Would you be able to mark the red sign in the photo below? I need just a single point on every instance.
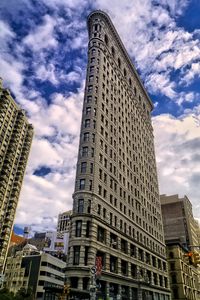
(98, 265)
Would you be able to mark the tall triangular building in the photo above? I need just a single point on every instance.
(116, 246)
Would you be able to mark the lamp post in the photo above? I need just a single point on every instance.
(93, 271)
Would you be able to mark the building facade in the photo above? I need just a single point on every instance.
(34, 271)
(179, 223)
(116, 221)
(64, 221)
(184, 276)
(15, 142)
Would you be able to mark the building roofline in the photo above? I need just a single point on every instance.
(121, 46)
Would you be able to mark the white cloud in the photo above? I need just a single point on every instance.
(177, 142)
(42, 36)
(190, 74)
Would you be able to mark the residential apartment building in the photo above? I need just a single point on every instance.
(116, 225)
(15, 142)
(178, 221)
(33, 270)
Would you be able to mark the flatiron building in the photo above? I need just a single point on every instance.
(116, 225)
(15, 142)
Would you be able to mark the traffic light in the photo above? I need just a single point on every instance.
(66, 289)
(190, 258)
(196, 256)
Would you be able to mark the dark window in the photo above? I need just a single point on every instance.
(133, 270)
(91, 168)
(80, 205)
(133, 250)
(89, 206)
(76, 255)
(86, 136)
(101, 234)
(124, 246)
(88, 110)
(87, 123)
(82, 184)
(106, 39)
(87, 234)
(119, 63)
(83, 167)
(84, 151)
(113, 264)
(78, 228)
(124, 267)
(86, 255)
(175, 292)
(113, 51)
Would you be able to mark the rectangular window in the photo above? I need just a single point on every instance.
(89, 99)
(83, 167)
(91, 168)
(113, 264)
(80, 205)
(101, 234)
(87, 123)
(87, 234)
(90, 88)
(88, 110)
(91, 78)
(78, 228)
(82, 184)
(90, 185)
(86, 255)
(76, 255)
(84, 151)
(86, 137)
(91, 69)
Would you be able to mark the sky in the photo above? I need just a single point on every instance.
(43, 58)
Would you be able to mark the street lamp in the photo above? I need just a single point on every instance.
(96, 268)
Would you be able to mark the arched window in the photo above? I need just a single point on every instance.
(106, 39)
(125, 72)
(130, 82)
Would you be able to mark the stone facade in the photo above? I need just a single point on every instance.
(15, 142)
(184, 278)
(116, 208)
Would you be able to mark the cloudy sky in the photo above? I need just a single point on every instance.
(43, 56)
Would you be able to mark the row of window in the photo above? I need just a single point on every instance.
(117, 265)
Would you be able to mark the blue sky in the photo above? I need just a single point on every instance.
(43, 56)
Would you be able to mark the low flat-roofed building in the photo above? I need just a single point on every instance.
(33, 270)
